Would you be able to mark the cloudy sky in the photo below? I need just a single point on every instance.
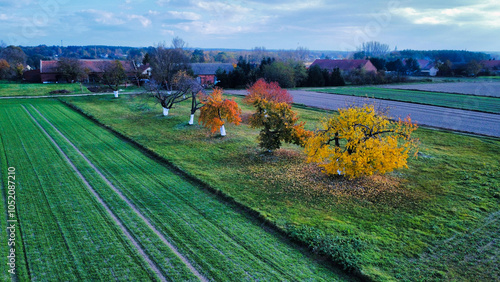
(274, 24)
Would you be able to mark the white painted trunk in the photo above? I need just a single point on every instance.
(165, 111)
(191, 120)
(116, 94)
(183, 96)
(222, 131)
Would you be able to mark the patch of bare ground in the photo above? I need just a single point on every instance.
(288, 169)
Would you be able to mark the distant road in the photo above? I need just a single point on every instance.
(439, 117)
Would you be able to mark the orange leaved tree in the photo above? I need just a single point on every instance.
(359, 142)
(271, 92)
(216, 111)
(275, 116)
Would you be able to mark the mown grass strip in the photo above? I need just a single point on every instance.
(14, 89)
(148, 223)
(449, 100)
(217, 227)
(66, 236)
(169, 263)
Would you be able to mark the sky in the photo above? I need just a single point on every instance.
(472, 25)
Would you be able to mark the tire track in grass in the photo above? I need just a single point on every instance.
(110, 213)
(232, 234)
(118, 192)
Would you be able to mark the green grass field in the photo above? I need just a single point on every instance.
(435, 221)
(8, 89)
(457, 101)
(65, 234)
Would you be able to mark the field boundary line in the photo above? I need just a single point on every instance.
(99, 199)
(125, 199)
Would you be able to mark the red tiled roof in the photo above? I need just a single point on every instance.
(345, 65)
(94, 66)
(490, 64)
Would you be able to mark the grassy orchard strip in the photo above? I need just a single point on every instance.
(449, 100)
(225, 243)
(132, 208)
(65, 233)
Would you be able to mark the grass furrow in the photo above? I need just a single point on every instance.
(67, 236)
(221, 227)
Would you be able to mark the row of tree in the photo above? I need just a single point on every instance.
(357, 142)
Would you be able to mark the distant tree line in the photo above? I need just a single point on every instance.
(287, 73)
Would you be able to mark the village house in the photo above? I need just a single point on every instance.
(491, 66)
(48, 72)
(427, 68)
(344, 65)
(205, 72)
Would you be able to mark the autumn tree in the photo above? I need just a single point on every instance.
(4, 68)
(269, 91)
(216, 111)
(359, 142)
(275, 116)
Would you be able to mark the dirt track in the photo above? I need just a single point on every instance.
(439, 117)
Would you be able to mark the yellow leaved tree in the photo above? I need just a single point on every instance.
(359, 142)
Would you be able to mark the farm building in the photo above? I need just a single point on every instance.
(427, 68)
(48, 72)
(492, 66)
(345, 65)
(205, 72)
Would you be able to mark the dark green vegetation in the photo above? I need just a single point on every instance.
(436, 220)
(67, 235)
(457, 101)
(8, 89)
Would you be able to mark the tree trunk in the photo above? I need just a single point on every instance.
(191, 119)
(116, 94)
(222, 131)
(165, 111)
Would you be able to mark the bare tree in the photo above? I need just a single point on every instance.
(165, 63)
(302, 53)
(374, 49)
(71, 69)
(184, 87)
(178, 43)
(114, 74)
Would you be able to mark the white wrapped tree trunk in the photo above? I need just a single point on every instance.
(116, 94)
(191, 120)
(165, 111)
(222, 131)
